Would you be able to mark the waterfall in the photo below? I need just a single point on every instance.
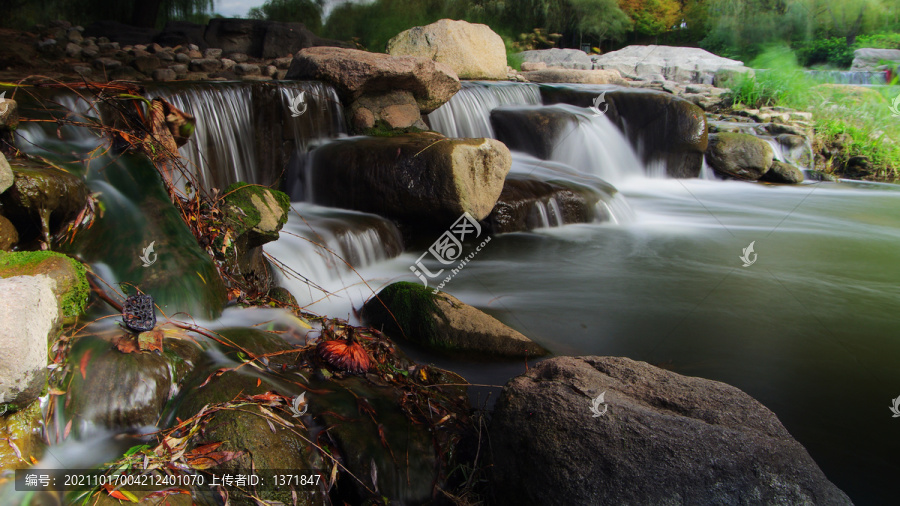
(326, 245)
(246, 131)
(468, 113)
(595, 146)
(856, 77)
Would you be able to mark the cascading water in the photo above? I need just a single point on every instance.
(808, 326)
(467, 114)
(247, 132)
(323, 252)
(855, 77)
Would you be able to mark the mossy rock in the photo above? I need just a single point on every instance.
(42, 200)
(245, 429)
(257, 211)
(72, 288)
(22, 428)
(440, 321)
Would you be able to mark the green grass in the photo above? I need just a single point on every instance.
(858, 118)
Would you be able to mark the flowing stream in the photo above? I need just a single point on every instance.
(809, 328)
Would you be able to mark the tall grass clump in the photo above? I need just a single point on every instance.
(855, 124)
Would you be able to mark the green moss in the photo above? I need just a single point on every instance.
(241, 196)
(75, 291)
(413, 306)
(382, 129)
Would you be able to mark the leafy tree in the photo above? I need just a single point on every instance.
(652, 17)
(308, 12)
(600, 18)
(147, 13)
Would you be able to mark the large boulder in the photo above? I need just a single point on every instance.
(442, 322)
(473, 51)
(419, 180)
(558, 58)
(575, 76)
(610, 430)
(356, 73)
(70, 285)
(262, 38)
(28, 315)
(871, 59)
(741, 156)
(681, 64)
(661, 127)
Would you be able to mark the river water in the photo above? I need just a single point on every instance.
(809, 328)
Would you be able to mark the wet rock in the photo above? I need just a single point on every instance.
(255, 211)
(212, 53)
(106, 64)
(205, 65)
(146, 63)
(684, 440)
(395, 110)
(73, 50)
(42, 200)
(28, 318)
(780, 172)
(517, 208)
(533, 130)
(575, 76)
(742, 156)
(112, 389)
(70, 284)
(9, 120)
(661, 127)
(441, 322)
(6, 174)
(21, 428)
(421, 180)
(356, 73)
(164, 75)
(8, 234)
(246, 430)
(557, 58)
(246, 69)
(256, 215)
(228, 64)
(473, 51)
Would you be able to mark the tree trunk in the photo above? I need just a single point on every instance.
(854, 30)
(145, 13)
